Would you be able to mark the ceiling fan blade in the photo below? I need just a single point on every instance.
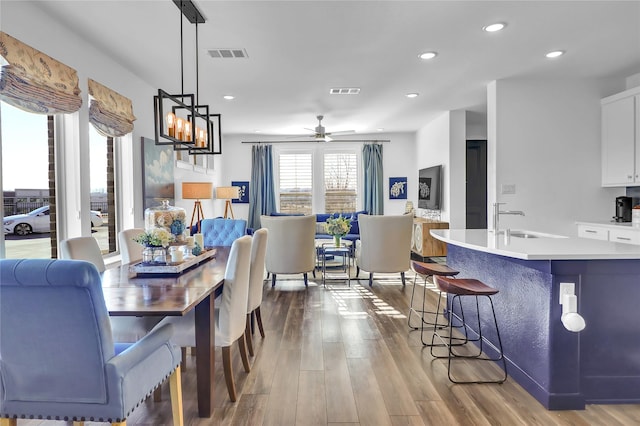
(341, 132)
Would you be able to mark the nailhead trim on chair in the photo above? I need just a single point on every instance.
(90, 419)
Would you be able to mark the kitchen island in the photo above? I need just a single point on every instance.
(560, 368)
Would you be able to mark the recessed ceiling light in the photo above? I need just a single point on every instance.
(229, 97)
(555, 54)
(380, 129)
(411, 95)
(428, 55)
(258, 131)
(492, 28)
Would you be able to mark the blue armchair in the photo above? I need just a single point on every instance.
(57, 357)
(222, 232)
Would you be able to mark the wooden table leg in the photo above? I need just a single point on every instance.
(205, 361)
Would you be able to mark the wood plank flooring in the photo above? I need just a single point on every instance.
(344, 356)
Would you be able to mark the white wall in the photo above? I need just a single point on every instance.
(443, 141)
(544, 137)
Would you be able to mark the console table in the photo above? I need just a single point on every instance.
(423, 244)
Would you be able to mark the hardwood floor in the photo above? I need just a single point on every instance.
(345, 356)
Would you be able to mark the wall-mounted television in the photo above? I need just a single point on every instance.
(430, 188)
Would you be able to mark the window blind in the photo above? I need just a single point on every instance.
(340, 182)
(35, 82)
(296, 182)
(110, 112)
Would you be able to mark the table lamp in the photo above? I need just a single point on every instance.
(196, 191)
(228, 193)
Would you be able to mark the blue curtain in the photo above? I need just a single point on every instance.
(373, 184)
(262, 195)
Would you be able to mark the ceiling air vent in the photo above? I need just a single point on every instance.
(345, 91)
(228, 53)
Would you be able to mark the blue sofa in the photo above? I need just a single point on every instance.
(354, 233)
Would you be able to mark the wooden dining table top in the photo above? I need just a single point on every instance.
(127, 293)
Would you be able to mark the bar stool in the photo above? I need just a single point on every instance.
(426, 270)
(467, 287)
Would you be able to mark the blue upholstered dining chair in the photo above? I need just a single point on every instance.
(222, 232)
(57, 357)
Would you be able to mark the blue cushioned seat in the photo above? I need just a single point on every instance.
(222, 232)
(57, 356)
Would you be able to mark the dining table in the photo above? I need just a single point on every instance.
(128, 293)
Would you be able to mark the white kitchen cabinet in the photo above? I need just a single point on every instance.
(593, 232)
(627, 236)
(621, 139)
(618, 233)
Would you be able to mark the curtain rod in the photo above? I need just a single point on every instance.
(335, 140)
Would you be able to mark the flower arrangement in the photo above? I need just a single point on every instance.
(338, 226)
(156, 237)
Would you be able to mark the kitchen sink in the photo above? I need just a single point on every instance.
(520, 234)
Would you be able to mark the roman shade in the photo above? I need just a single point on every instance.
(110, 112)
(35, 82)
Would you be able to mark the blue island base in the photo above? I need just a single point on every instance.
(563, 370)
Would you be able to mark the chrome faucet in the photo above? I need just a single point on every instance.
(496, 215)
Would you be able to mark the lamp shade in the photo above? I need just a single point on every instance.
(196, 190)
(227, 192)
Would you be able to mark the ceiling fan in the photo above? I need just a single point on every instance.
(320, 135)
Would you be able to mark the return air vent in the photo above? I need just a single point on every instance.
(228, 53)
(345, 91)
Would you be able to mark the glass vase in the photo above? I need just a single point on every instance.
(336, 240)
(170, 218)
(153, 256)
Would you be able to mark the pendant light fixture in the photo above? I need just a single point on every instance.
(179, 119)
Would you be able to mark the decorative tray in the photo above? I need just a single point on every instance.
(171, 268)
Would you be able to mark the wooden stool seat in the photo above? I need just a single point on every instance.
(464, 286)
(430, 269)
(426, 270)
(458, 288)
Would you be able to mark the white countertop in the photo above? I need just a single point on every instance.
(542, 248)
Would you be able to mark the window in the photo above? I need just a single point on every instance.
(26, 189)
(102, 190)
(340, 182)
(295, 182)
(306, 185)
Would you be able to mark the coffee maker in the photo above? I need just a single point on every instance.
(623, 209)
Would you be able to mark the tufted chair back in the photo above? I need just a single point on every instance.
(57, 356)
(222, 232)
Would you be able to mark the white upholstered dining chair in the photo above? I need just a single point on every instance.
(124, 329)
(130, 251)
(256, 282)
(230, 313)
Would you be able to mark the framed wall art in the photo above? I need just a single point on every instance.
(397, 188)
(157, 173)
(244, 192)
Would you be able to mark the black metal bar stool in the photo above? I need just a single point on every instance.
(460, 287)
(427, 270)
